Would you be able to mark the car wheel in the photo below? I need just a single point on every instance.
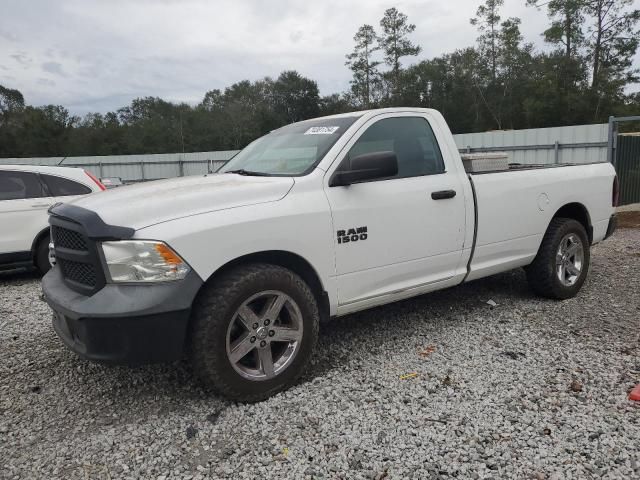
(253, 331)
(42, 255)
(562, 263)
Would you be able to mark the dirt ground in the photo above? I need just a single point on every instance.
(629, 219)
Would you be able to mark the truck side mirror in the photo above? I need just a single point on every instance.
(368, 166)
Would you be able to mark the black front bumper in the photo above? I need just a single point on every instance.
(126, 323)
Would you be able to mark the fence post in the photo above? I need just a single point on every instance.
(610, 140)
(614, 144)
(100, 169)
(556, 152)
(142, 171)
(181, 167)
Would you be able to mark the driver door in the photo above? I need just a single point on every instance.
(392, 238)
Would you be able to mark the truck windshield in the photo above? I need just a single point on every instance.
(291, 150)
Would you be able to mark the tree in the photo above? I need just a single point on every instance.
(567, 19)
(563, 71)
(394, 42)
(514, 72)
(152, 125)
(295, 97)
(487, 20)
(334, 104)
(247, 112)
(364, 68)
(613, 40)
(213, 100)
(551, 99)
(44, 131)
(447, 83)
(10, 100)
(504, 62)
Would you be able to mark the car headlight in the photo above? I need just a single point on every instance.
(143, 261)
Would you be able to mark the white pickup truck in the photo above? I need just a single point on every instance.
(317, 219)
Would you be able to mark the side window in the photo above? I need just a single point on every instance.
(62, 187)
(19, 185)
(410, 138)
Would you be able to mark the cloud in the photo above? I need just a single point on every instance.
(21, 58)
(10, 37)
(46, 82)
(104, 54)
(53, 67)
(296, 36)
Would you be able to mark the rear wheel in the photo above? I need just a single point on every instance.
(562, 263)
(253, 331)
(42, 255)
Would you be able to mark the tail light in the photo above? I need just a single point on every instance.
(615, 196)
(97, 182)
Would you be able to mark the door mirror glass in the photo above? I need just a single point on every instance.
(368, 166)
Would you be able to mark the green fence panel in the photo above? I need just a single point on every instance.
(628, 168)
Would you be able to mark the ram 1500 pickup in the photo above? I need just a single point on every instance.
(317, 219)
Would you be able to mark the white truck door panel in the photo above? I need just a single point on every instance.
(410, 240)
(391, 235)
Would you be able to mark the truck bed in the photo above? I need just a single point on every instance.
(512, 216)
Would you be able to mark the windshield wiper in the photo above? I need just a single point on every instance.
(248, 173)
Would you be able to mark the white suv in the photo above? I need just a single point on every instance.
(26, 193)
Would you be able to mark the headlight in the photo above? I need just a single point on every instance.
(143, 261)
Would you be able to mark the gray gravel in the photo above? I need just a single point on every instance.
(440, 386)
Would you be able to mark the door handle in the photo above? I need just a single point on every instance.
(443, 194)
(40, 205)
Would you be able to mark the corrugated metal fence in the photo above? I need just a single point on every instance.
(628, 168)
(136, 168)
(574, 144)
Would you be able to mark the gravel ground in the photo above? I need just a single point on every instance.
(444, 385)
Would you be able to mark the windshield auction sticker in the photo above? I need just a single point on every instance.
(321, 130)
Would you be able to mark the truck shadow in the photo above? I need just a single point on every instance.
(383, 326)
(18, 275)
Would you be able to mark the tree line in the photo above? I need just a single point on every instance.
(501, 82)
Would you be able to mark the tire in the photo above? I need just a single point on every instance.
(223, 324)
(554, 273)
(42, 255)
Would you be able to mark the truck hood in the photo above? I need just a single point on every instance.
(145, 204)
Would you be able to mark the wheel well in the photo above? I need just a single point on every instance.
(578, 212)
(288, 260)
(36, 242)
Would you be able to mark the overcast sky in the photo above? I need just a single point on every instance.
(98, 55)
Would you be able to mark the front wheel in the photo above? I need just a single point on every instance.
(562, 263)
(42, 258)
(253, 331)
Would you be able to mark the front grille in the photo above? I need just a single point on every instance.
(65, 238)
(77, 256)
(84, 273)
